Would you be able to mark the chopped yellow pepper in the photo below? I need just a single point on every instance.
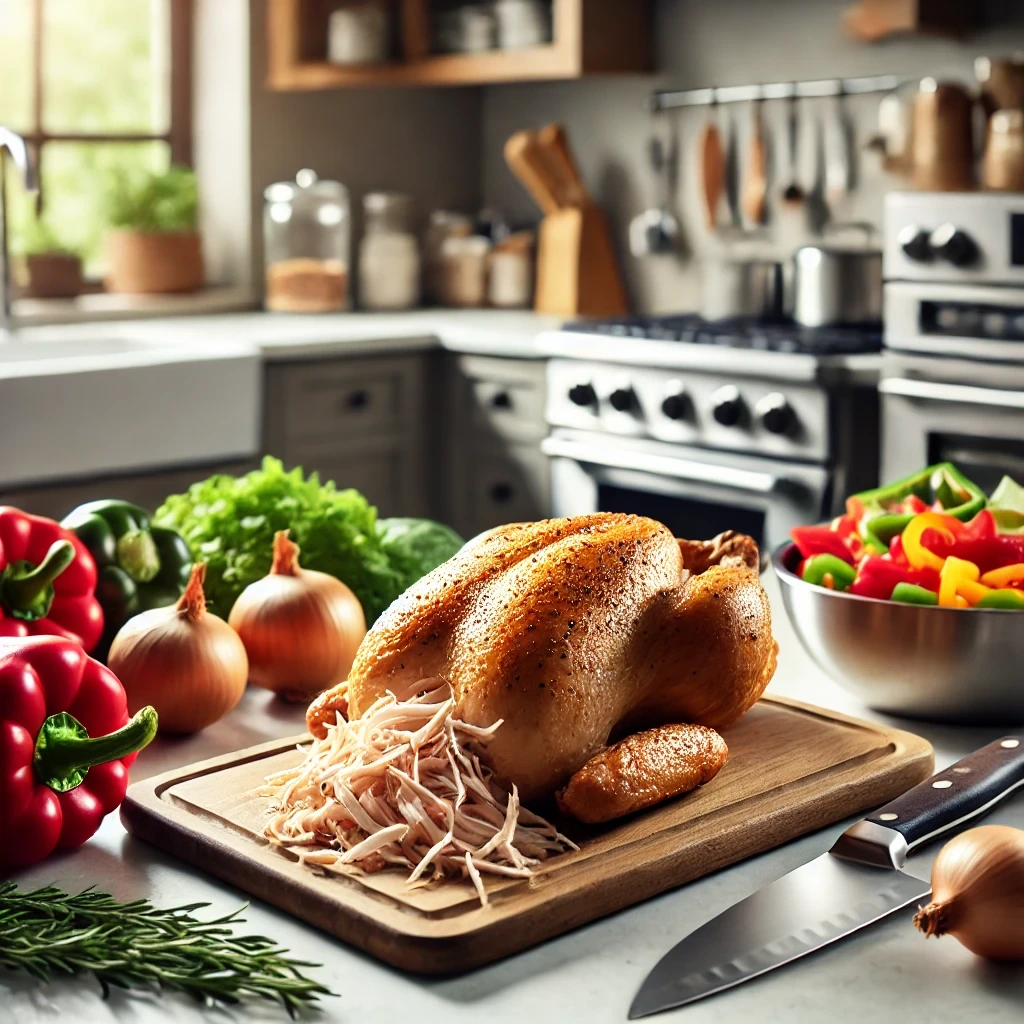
(999, 578)
(953, 575)
(917, 554)
(962, 602)
(974, 592)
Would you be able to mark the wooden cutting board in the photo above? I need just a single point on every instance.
(792, 769)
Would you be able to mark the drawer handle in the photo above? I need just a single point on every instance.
(501, 400)
(356, 400)
(500, 493)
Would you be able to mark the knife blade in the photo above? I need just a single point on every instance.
(859, 881)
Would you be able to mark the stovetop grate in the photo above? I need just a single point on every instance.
(739, 333)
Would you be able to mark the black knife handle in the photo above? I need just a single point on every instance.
(962, 791)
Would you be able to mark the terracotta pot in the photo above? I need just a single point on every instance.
(139, 262)
(53, 275)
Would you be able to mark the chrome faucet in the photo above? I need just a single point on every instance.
(11, 142)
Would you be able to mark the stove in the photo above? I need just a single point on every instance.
(733, 424)
(952, 381)
(738, 333)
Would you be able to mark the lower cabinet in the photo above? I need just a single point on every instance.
(145, 488)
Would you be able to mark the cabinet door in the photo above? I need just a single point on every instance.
(505, 487)
(387, 471)
(505, 398)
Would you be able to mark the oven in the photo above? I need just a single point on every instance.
(952, 410)
(695, 492)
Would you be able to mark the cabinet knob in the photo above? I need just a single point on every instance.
(356, 400)
(500, 493)
(501, 400)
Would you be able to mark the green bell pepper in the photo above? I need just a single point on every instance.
(140, 566)
(911, 593)
(828, 571)
(943, 482)
(1009, 599)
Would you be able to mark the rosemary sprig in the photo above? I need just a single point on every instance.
(136, 945)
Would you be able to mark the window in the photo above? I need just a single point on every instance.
(94, 86)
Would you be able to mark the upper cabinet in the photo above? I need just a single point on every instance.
(588, 37)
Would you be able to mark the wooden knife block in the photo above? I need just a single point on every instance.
(577, 273)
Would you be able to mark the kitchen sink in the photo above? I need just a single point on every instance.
(75, 404)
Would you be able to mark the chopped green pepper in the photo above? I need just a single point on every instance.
(1007, 598)
(1007, 506)
(942, 483)
(911, 593)
(140, 566)
(828, 571)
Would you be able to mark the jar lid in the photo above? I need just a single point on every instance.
(386, 202)
(305, 185)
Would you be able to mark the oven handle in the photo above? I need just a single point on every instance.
(961, 394)
(661, 465)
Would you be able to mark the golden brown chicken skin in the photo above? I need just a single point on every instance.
(573, 632)
(642, 770)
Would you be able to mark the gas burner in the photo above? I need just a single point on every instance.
(740, 333)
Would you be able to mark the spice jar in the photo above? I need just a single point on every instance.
(463, 278)
(443, 224)
(389, 254)
(306, 225)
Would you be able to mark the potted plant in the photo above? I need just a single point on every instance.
(154, 244)
(51, 270)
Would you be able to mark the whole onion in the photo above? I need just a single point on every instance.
(301, 628)
(978, 892)
(185, 661)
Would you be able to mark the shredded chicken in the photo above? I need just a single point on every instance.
(401, 785)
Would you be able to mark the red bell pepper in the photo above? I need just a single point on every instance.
(821, 540)
(47, 581)
(878, 575)
(66, 742)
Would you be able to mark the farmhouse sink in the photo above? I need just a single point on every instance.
(75, 405)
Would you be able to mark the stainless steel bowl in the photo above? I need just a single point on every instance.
(950, 664)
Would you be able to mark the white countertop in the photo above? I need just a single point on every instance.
(292, 336)
(887, 971)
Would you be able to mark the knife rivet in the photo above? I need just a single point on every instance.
(962, 771)
(1010, 744)
(889, 816)
(942, 784)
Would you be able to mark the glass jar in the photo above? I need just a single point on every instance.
(306, 242)
(389, 254)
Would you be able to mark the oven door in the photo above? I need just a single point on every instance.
(981, 429)
(694, 492)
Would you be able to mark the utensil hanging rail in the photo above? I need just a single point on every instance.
(669, 99)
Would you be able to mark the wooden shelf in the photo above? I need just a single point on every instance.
(590, 37)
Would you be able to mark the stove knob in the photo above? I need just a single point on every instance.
(583, 394)
(623, 399)
(677, 406)
(916, 243)
(727, 406)
(775, 413)
(954, 246)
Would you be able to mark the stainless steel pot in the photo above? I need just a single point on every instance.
(835, 284)
(741, 287)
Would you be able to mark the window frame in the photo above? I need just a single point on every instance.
(178, 135)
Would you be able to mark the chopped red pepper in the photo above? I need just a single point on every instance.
(877, 576)
(821, 540)
(47, 581)
(66, 742)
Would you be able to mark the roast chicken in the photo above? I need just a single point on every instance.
(610, 650)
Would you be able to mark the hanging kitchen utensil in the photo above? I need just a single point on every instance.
(815, 202)
(528, 162)
(755, 186)
(839, 151)
(858, 882)
(732, 170)
(657, 230)
(792, 192)
(712, 170)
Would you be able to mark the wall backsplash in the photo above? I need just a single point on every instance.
(728, 42)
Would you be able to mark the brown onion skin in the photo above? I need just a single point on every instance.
(188, 663)
(300, 628)
(978, 892)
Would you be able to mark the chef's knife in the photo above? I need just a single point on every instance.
(859, 881)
